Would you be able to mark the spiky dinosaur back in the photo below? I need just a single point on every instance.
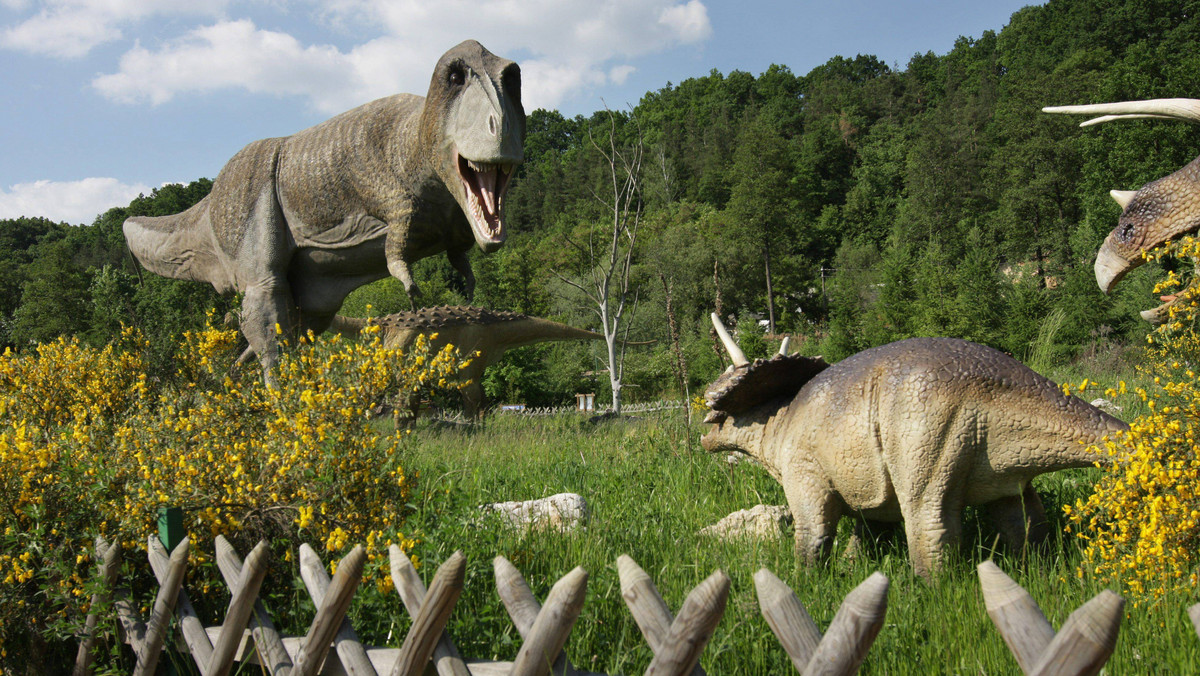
(442, 316)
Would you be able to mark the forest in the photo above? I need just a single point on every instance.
(851, 206)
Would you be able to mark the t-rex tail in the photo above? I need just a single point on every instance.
(178, 246)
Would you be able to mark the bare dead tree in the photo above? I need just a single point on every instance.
(609, 249)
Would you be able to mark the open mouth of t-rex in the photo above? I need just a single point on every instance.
(485, 184)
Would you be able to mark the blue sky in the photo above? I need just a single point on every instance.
(105, 99)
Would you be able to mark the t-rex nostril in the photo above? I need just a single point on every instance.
(492, 124)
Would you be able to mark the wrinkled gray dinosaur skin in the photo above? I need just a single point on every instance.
(297, 223)
(912, 431)
(489, 332)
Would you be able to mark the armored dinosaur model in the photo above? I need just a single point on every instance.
(297, 223)
(470, 329)
(912, 431)
(1156, 213)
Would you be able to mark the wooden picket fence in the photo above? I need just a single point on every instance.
(642, 407)
(1082, 646)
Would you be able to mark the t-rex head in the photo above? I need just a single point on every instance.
(474, 118)
(746, 384)
(1155, 214)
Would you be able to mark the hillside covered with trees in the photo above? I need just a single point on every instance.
(854, 205)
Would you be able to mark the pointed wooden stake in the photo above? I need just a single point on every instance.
(1016, 615)
(411, 589)
(787, 617)
(691, 630)
(649, 610)
(331, 612)
(1081, 648)
(523, 607)
(853, 629)
(164, 610)
(271, 651)
(241, 605)
(430, 621)
(108, 559)
(554, 622)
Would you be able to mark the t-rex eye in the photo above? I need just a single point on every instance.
(458, 75)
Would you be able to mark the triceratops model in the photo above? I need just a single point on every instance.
(297, 223)
(490, 333)
(912, 431)
(1159, 211)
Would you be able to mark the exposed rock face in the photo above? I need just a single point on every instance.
(561, 512)
(760, 522)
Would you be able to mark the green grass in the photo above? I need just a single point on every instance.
(650, 488)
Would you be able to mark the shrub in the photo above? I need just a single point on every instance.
(90, 445)
(1141, 526)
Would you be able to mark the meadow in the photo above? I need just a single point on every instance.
(89, 444)
(650, 489)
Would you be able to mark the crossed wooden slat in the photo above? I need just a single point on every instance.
(676, 642)
(853, 629)
(1082, 646)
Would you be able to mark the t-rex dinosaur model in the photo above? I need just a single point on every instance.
(912, 431)
(296, 223)
(470, 329)
(1159, 211)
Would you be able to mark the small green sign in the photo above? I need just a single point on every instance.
(170, 527)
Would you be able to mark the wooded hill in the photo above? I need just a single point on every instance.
(886, 202)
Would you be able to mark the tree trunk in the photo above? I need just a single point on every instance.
(614, 379)
(673, 325)
(770, 292)
(714, 340)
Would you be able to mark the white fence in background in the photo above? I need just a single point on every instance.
(644, 407)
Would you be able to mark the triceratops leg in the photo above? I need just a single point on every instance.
(930, 527)
(1020, 520)
(815, 514)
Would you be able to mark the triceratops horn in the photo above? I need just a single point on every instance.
(1122, 197)
(735, 353)
(1169, 109)
(783, 347)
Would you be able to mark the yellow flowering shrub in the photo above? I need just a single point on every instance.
(1141, 525)
(90, 446)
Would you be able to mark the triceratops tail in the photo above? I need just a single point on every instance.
(1092, 428)
(177, 246)
(349, 327)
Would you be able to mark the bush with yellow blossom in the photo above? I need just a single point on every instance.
(89, 445)
(1141, 525)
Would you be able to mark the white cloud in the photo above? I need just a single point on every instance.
(564, 46)
(77, 202)
(619, 74)
(689, 22)
(72, 28)
(232, 54)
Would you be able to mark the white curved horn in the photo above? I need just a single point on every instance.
(735, 353)
(1122, 197)
(783, 347)
(1173, 109)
